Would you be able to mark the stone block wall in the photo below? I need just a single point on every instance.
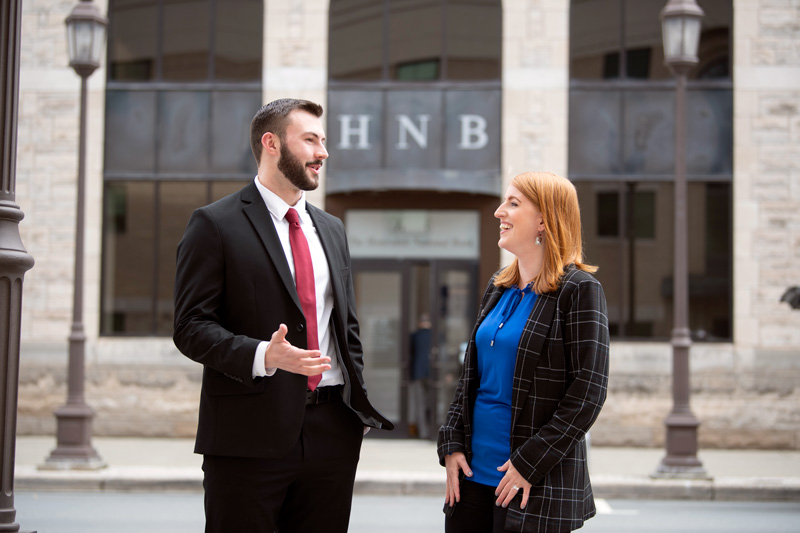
(766, 173)
(535, 86)
(47, 164)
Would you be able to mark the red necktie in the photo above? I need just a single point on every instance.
(304, 280)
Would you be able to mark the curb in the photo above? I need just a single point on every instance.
(137, 479)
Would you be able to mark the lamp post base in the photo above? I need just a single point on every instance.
(59, 460)
(690, 468)
(73, 434)
(681, 461)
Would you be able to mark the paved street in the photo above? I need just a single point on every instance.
(90, 512)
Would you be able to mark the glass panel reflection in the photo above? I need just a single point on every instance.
(221, 189)
(474, 37)
(238, 34)
(231, 113)
(455, 321)
(130, 131)
(133, 40)
(355, 42)
(636, 260)
(594, 132)
(129, 258)
(594, 34)
(186, 30)
(647, 132)
(415, 39)
(177, 201)
(183, 131)
(377, 297)
(609, 37)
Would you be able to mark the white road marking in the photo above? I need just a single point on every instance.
(603, 507)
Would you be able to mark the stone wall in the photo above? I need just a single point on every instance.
(47, 164)
(742, 400)
(766, 173)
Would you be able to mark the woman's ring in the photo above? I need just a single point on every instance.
(515, 487)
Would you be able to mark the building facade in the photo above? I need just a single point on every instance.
(432, 106)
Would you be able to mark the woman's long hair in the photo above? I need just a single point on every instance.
(557, 199)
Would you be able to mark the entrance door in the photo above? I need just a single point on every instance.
(415, 318)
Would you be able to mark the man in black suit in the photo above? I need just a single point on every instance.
(280, 450)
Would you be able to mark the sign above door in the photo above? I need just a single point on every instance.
(406, 234)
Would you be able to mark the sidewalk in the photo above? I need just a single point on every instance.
(406, 467)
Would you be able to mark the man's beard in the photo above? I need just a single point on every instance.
(295, 171)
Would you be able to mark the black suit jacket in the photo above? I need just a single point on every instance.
(560, 382)
(233, 288)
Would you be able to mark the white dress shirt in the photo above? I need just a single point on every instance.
(322, 282)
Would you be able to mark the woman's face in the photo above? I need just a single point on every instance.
(520, 223)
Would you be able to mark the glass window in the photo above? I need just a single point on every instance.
(143, 223)
(621, 158)
(176, 202)
(608, 37)
(231, 113)
(415, 36)
(608, 214)
(238, 36)
(185, 40)
(633, 132)
(132, 39)
(131, 119)
(415, 40)
(183, 131)
(176, 139)
(355, 41)
(632, 242)
(595, 34)
(186, 36)
(474, 37)
(129, 258)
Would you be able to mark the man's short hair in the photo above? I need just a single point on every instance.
(273, 117)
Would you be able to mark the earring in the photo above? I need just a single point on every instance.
(539, 239)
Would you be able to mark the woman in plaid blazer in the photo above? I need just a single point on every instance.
(513, 443)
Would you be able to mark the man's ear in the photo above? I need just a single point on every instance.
(270, 143)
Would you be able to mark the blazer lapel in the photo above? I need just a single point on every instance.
(491, 300)
(256, 211)
(530, 347)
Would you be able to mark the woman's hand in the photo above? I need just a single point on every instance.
(454, 463)
(510, 485)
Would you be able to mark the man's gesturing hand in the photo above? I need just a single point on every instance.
(281, 354)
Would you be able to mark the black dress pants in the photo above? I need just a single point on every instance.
(311, 489)
(476, 512)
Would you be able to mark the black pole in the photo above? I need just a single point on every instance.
(14, 259)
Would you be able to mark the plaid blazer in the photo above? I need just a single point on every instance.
(560, 382)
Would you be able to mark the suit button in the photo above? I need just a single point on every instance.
(300, 327)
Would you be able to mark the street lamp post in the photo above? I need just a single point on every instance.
(85, 39)
(14, 259)
(680, 21)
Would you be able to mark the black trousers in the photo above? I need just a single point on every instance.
(311, 489)
(476, 512)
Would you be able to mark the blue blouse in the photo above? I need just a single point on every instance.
(496, 341)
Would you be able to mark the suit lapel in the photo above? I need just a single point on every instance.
(328, 241)
(256, 211)
(530, 348)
